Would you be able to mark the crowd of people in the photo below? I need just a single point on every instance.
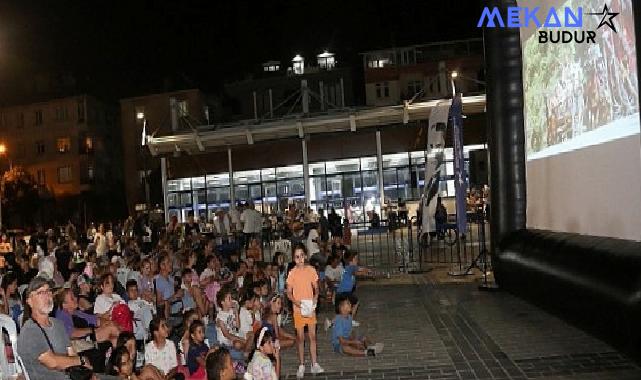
(183, 301)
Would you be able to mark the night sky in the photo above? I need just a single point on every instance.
(116, 48)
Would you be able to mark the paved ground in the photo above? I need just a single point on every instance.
(453, 331)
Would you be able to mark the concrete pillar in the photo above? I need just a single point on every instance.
(165, 195)
(305, 96)
(232, 196)
(379, 162)
(255, 106)
(306, 172)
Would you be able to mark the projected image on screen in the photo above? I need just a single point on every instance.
(581, 94)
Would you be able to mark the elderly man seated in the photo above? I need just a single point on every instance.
(43, 343)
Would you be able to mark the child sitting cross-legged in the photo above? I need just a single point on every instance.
(343, 340)
(228, 323)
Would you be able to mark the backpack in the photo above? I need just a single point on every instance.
(123, 317)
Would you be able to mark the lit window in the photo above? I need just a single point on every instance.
(63, 145)
(140, 113)
(64, 174)
(326, 61)
(90, 171)
(298, 64)
(89, 144)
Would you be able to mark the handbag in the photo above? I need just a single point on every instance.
(76, 372)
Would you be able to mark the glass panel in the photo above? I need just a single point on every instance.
(185, 184)
(293, 188)
(185, 199)
(370, 192)
(318, 192)
(218, 180)
(200, 196)
(389, 181)
(404, 183)
(173, 185)
(242, 193)
(218, 197)
(291, 171)
(172, 200)
(249, 176)
(269, 197)
(450, 188)
(317, 168)
(395, 160)
(268, 174)
(368, 163)
(341, 166)
(198, 182)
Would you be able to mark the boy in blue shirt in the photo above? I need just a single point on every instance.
(343, 340)
(347, 286)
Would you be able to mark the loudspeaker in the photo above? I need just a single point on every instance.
(478, 168)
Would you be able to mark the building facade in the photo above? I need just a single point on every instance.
(157, 114)
(397, 74)
(70, 146)
(277, 90)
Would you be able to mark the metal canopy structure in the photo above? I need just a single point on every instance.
(209, 137)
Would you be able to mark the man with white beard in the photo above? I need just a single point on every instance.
(43, 343)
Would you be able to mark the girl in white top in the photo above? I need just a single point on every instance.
(248, 315)
(261, 366)
(107, 299)
(161, 352)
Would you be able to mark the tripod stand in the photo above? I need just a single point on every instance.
(485, 285)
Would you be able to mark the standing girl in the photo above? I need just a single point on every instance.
(302, 290)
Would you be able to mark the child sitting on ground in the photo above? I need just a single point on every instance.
(219, 365)
(347, 285)
(343, 340)
(333, 275)
(228, 323)
(261, 366)
(197, 350)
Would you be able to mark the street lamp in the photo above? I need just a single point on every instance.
(453, 76)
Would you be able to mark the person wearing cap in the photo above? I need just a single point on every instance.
(43, 343)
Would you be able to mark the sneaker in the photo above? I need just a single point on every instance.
(316, 369)
(370, 352)
(301, 371)
(355, 323)
(328, 324)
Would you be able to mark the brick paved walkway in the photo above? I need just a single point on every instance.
(456, 332)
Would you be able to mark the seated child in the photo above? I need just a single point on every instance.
(333, 275)
(197, 350)
(143, 311)
(343, 340)
(228, 323)
(261, 366)
(219, 365)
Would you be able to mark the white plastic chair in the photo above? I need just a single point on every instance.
(10, 370)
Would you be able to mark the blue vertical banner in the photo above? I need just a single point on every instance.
(460, 177)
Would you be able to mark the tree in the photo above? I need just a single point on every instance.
(22, 198)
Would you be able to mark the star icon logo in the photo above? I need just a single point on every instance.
(606, 17)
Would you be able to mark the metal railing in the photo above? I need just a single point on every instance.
(402, 247)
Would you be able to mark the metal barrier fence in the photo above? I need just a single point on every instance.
(404, 248)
